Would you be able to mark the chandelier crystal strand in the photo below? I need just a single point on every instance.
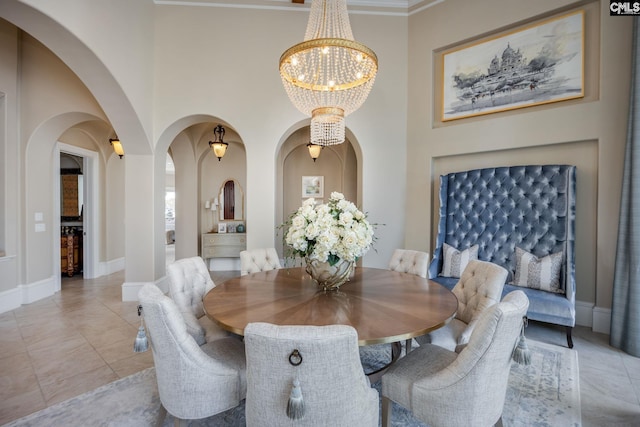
(328, 19)
(329, 75)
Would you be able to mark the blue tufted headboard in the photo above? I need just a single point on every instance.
(532, 207)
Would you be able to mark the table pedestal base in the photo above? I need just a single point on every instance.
(396, 351)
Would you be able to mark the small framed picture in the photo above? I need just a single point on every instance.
(231, 228)
(313, 186)
(222, 227)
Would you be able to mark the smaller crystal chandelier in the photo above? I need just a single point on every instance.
(314, 150)
(329, 75)
(218, 145)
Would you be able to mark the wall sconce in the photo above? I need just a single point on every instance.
(314, 150)
(218, 145)
(117, 146)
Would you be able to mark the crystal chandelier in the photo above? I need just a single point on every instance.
(329, 75)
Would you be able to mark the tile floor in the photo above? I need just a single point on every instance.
(82, 338)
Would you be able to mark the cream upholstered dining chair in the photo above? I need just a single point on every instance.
(480, 287)
(256, 260)
(443, 388)
(189, 281)
(325, 362)
(193, 381)
(410, 261)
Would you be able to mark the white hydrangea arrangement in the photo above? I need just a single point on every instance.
(329, 232)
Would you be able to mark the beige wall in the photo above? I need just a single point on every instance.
(10, 215)
(233, 75)
(42, 78)
(589, 132)
(118, 34)
(170, 71)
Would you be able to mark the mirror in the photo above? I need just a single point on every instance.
(231, 201)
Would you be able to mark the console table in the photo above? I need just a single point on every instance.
(223, 245)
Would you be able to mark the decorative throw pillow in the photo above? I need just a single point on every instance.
(456, 261)
(538, 273)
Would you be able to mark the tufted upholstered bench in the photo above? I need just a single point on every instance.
(499, 209)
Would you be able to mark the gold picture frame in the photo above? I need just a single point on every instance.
(536, 64)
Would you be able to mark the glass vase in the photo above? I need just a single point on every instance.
(329, 277)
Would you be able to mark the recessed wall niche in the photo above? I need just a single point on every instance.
(213, 176)
(582, 154)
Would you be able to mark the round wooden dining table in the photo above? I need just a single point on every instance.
(383, 306)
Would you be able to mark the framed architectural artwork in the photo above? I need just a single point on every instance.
(313, 186)
(535, 64)
(222, 227)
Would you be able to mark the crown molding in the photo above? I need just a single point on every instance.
(373, 7)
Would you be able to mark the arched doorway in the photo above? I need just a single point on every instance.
(337, 167)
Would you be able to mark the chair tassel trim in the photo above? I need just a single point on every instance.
(295, 406)
(141, 344)
(522, 354)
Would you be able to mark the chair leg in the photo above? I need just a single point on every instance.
(387, 409)
(569, 339)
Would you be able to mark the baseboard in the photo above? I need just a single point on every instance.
(10, 300)
(584, 313)
(602, 320)
(26, 294)
(596, 318)
(38, 290)
(130, 289)
(112, 266)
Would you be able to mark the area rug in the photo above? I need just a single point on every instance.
(546, 393)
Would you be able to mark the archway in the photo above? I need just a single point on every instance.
(338, 167)
(198, 176)
(87, 66)
(42, 245)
